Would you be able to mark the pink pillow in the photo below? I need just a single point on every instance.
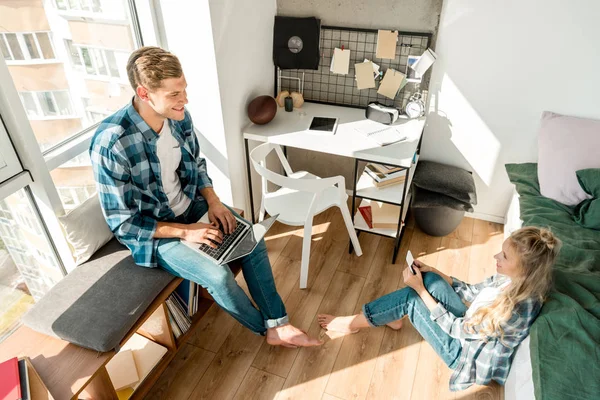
(566, 144)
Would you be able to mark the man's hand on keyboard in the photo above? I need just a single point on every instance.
(208, 234)
(218, 213)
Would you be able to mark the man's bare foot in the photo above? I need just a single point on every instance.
(337, 324)
(396, 325)
(290, 336)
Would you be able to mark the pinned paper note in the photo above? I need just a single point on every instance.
(340, 62)
(386, 44)
(364, 75)
(392, 80)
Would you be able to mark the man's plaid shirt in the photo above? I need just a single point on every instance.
(127, 173)
(484, 360)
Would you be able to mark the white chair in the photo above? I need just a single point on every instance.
(301, 196)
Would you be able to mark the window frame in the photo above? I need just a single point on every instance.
(28, 60)
(41, 116)
(92, 52)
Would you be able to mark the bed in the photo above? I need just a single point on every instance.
(561, 357)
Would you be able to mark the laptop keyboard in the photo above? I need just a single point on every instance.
(227, 241)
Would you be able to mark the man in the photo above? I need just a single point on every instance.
(153, 188)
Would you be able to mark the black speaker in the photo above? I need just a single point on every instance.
(296, 42)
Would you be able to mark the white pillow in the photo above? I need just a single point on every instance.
(86, 229)
(566, 145)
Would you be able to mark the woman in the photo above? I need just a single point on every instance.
(477, 342)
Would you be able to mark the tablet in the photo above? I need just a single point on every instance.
(323, 125)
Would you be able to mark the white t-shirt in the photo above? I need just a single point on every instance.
(169, 155)
(487, 296)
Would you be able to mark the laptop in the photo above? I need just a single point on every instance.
(237, 244)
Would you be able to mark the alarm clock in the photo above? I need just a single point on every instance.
(415, 106)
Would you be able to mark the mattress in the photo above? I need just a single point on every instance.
(519, 384)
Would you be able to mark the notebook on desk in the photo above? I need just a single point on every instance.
(379, 133)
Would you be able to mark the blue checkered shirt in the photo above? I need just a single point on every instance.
(127, 173)
(484, 360)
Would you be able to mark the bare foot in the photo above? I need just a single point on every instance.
(396, 325)
(337, 324)
(290, 336)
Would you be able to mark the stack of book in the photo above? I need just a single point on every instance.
(179, 316)
(14, 380)
(384, 175)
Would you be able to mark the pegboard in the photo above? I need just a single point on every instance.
(323, 86)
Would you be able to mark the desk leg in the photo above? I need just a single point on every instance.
(249, 169)
(101, 387)
(400, 231)
(351, 248)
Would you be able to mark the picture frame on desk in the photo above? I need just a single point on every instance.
(412, 75)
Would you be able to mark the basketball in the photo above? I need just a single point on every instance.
(262, 110)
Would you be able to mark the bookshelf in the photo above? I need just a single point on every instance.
(364, 191)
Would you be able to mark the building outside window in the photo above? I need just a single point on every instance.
(67, 61)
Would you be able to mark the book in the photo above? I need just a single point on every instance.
(122, 371)
(385, 216)
(386, 169)
(10, 386)
(389, 182)
(146, 354)
(366, 214)
(377, 132)
(24, 380)
(378, 176)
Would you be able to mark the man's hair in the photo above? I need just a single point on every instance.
(148, 66)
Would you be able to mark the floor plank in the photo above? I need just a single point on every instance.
(352, 264)
(229, 366)
(308, 376)
(259, 385)
(396, 364)
(464, 231)
(179, 380)
(302, 304)
(355, 363)
(213, 329)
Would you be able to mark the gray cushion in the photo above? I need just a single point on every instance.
(99, 301)
(426, 199)
(446, 179)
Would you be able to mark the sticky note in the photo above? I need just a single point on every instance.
(391, 83)
(364, 75)
(340, 62)
(386, 44)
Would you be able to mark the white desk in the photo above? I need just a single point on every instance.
(290, 129)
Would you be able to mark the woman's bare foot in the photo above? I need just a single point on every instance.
(396, 325)
(290, 336)
(337, 324)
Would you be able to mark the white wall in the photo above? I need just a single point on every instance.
(225, 47)
(501, 63)
(243, 41)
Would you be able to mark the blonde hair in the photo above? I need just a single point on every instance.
(148, 66)
(536, 250)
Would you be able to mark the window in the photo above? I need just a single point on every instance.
(97, 61)
(26, 46)
(74, 181)
(79, 5)
(92, 40)
(29, 267)
(40, 105)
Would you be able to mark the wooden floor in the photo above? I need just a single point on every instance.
(223, 360)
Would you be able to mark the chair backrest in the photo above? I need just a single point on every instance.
(258, 157)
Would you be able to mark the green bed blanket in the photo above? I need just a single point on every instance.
(565, 338)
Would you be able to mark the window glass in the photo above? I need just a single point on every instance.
(61, 51)
(44, 42)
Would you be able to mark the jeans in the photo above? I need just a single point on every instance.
(180, 260)
(406, 301)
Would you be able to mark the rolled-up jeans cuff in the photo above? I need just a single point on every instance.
(274, 323)
(367, 315)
